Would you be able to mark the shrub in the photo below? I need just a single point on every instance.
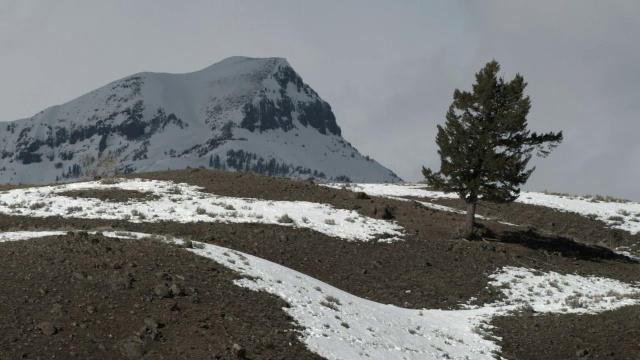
(111, 181)
(36, 206)
(333, 299)
(137, 213)
(285, 219)
(616, 218)
(72, 209)
(331, 306)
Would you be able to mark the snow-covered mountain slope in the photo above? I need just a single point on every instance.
(239, 114)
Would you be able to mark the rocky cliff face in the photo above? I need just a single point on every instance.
(239, 114)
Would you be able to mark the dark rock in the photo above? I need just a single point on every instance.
(360, 195)
(239, 351)
(582, 353)
(384, 213)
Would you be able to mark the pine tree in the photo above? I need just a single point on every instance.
(485, 145)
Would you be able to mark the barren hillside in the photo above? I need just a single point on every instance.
(202, 264)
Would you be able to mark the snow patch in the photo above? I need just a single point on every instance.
(551, 292)
(186, 203)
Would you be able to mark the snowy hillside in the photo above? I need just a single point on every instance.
(334, 323)
(239, 114)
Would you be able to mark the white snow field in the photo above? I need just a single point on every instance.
(619, 215)
(338, 325)
(186, 203)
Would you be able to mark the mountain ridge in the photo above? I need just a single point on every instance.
(246, 114)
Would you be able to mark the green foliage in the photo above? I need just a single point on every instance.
(485, 145)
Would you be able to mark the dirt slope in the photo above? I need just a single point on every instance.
(441, 271)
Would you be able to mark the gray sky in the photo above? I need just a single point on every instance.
(388, 68)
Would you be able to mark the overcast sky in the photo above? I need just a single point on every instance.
(388, 68)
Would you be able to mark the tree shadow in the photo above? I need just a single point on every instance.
(557, 245)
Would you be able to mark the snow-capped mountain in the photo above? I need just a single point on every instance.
(239, 114)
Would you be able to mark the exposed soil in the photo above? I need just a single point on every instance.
(441, 270)
(552, 222)
(111, 195)
(609, 335)
(91, 297)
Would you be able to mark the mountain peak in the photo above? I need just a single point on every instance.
(249, 114)
(246, 63)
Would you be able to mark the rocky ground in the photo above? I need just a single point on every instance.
(89, 296)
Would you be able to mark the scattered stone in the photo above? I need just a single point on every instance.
(47, 328)
(360, 195)
(239, 351)
(173, 306)
(384, 213)
(161, 291)
(132, 347)
(152, 324)
(175, 290)
(56, 309)
(79, 275)
(582, 353)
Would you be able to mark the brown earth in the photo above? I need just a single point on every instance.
(91, 297)
(441, 270)
(111, 195)
(609, 335)
(552, 222)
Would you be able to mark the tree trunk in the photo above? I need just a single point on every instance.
(471, 220)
